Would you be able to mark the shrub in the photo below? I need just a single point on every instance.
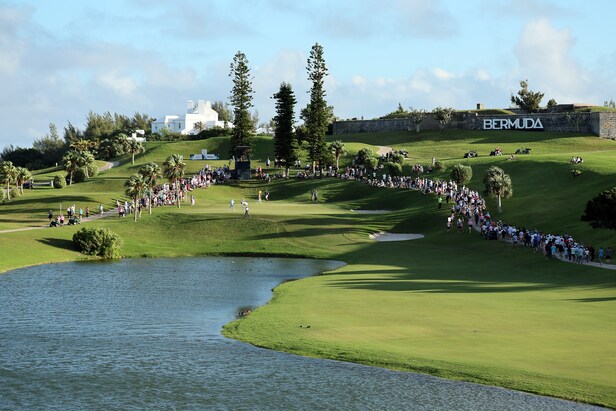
(396, 157)
(211, 132)
(461, 174)
(15, 192)
(363, 156)
(394, 169)
(79, 176)
(92, 170)
(98, 241)
(438, 165)
(601, 210)
(59, 182)
(2, 197)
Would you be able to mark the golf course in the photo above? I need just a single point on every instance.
(449, 304)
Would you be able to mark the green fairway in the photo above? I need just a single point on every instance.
(452, 305)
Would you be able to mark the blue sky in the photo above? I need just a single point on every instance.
(61, 59)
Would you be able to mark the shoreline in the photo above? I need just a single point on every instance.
(435, 368)
(421, 365)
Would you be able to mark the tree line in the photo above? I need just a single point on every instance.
(105, 136)
(288, 136)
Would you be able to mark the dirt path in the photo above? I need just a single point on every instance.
(109, 165)
(384, 150)
(92, 217)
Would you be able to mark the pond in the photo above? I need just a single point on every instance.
(145, 334)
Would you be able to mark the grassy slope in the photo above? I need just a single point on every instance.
(450, 305)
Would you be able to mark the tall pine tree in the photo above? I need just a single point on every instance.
(315, 115)
(285, 143)
(241, 100)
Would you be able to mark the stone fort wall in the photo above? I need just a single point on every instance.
(600, 124)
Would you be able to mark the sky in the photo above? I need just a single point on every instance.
(60, 59)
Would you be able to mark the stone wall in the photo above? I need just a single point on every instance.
(604, 125)
(601, 124)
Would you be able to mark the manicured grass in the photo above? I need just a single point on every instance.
(452, 304)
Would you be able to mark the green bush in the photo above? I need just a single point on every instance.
(394, 169)
(79, 176)
(364, 156)
(438, 165)
(461, 174)
(98, 241)
(601, 210)
(15, 192)
(92, 170)
(2, 197)
(59, 182)
(211, 132)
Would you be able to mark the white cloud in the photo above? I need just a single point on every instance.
(373, 97)
(544, 58)
(121, 84)
(442, 74)
(482, 75)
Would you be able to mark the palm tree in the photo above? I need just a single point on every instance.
(86, 159)
(151, 172)
(81, 145)
(136, 188)
(174, 167)
(8, 174)
(337, 147)
(72, 163)
(200, 126)
(23, 175)
(498, 184)
(134, 147)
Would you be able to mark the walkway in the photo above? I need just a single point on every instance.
(383, 150)
(108, 165)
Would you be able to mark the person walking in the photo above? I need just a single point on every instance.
(50, 215)
(600, 255)
(232, 205)
(608, 255)
(100, 209)
(87, 212)
(246, 215)
(260, 193)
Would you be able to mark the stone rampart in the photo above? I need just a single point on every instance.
(602, 124)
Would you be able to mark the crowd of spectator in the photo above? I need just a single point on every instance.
(467, 207)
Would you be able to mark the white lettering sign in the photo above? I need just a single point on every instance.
(527, 123)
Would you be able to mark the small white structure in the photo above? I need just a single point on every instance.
(204, 156)
(201, 112)
(134, 135)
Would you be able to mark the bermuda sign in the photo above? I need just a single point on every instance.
(527, 123)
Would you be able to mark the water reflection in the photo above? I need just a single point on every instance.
(145, 334)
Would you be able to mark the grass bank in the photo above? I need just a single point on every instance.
(451, 305)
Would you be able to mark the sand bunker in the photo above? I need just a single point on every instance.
(371, 211)
(394, 237)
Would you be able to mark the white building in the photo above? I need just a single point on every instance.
(201, 112)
